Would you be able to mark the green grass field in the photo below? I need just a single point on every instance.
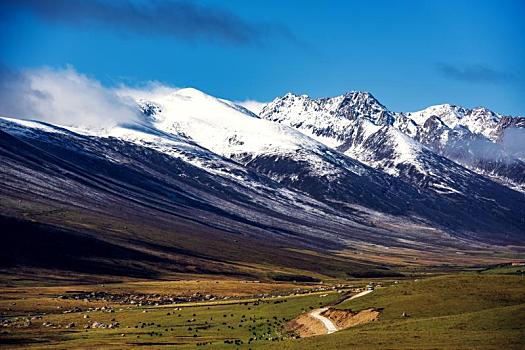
(505, 270)
(186, 325)
(448, 312)
(461, 311)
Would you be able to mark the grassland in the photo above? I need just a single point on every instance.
(219, 323)
(460, 311)
(505, 269)
(469, 311)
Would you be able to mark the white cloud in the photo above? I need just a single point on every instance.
(513, 141)
(154, 89)
(252, 105)
(63, 97)
(149, 91)
(66, 97)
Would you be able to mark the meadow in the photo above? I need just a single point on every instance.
(478, 310)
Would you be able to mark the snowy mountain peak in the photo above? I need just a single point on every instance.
(449, 114)
(219, 125)
(192, 92)
(328, 120)
(357, 124)
(291, 95)
(351, 105)
(363, 96)
(479, 120)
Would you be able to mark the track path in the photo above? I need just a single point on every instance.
(328, 324)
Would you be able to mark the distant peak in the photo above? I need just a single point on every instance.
(444, 106)
(190, 92)
(482, 109)
(364, 94)
(360, 96)
(443, 109)
(293, 95)
(462, 110)
(353, 95)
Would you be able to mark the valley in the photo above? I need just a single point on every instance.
(203, 225)
(443, 311)
(251, 175)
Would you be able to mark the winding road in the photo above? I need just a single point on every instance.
(328, 324)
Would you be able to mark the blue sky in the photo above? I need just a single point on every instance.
(409, 54)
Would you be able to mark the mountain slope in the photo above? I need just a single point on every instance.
(360, 127)
(198, 182)
(297, 161)
(141, 196)
(135, 199)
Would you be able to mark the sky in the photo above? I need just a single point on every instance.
(408, 54)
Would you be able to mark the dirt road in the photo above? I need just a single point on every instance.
(363, 293)
(328, 324)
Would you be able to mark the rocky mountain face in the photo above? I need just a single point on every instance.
(357, 124)
(475, 138)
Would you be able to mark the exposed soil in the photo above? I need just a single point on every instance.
(305, 326)
(346, 318)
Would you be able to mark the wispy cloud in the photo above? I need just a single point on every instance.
(252, 105)
(474, 73)
(180, 19)
(514, 142)
(62, 96)
(66, 97)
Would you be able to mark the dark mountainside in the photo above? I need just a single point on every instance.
(104, 206)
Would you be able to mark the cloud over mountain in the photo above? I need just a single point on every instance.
(252, 105)
(62, 96)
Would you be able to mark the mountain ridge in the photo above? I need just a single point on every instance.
(477, 132)
(205, 164)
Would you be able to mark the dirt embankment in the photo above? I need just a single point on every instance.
(307, 326)
(346, 318)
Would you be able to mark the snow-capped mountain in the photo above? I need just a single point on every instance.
(474, 138)
(328, 120)
(478, 120)
(220, 125)
(296, 160)
(232, 132)
(139, 175)
(358, 125)
(340, 172)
